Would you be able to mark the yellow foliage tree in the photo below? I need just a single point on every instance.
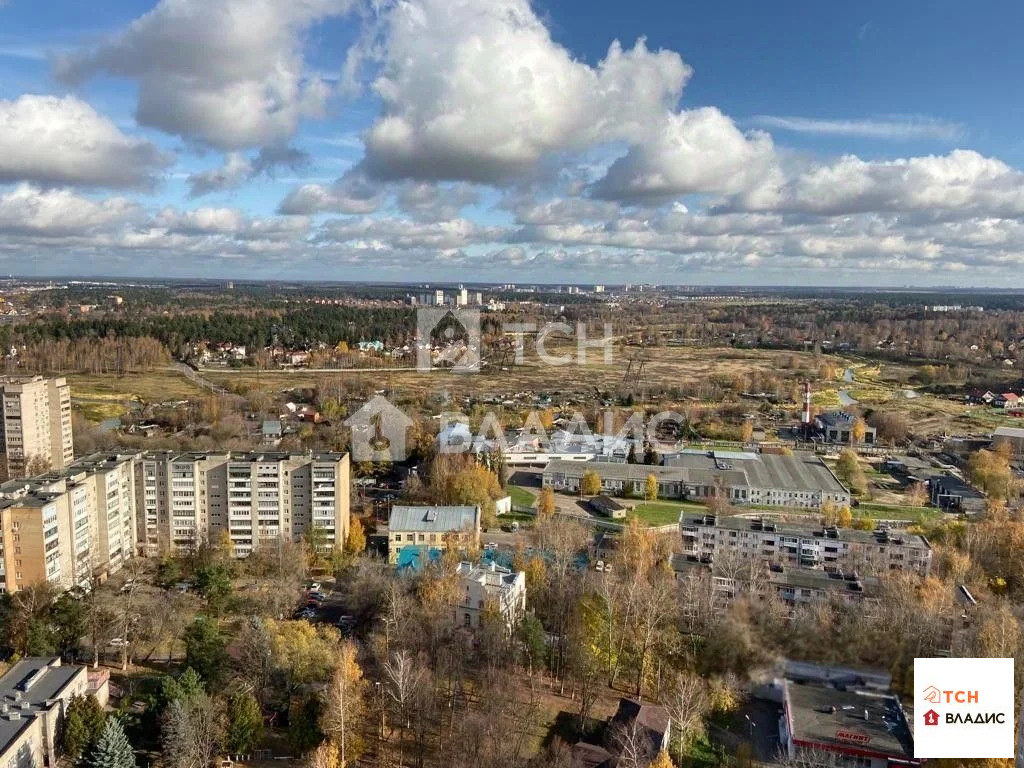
(844, 517)
(344, 705)
(356, 541)
(304, 651)
(590, 484)
(651, 488)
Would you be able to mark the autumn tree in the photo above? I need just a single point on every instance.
(917, 494)
(590, 483)
(651, 488)
(356, 540)
(990, 471)
(857, 431)
(343, 705)
(848, 470)
(546, 504)
(687, 703)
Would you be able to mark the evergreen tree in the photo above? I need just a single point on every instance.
(112, 749)
(83, 726)
(245, 723)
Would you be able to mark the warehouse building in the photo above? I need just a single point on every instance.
(741, 478)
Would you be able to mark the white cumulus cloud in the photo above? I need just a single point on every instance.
(50, 140)
(230, 73)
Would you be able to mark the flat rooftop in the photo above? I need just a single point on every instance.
(836, 719)
(803, 530)
(26, 688)
(803, 471)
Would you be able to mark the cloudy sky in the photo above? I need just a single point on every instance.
(870, 143)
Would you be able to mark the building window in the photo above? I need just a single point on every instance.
(465, 620)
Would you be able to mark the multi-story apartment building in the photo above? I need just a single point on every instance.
(85, 521)
(186, 500)
(36, 425)
(68, 527)
(723, 540)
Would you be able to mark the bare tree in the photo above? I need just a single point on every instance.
(687, 703)
(403, 676)
(193, 732)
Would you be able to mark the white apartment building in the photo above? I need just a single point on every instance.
(186, 500)
(488, 586)
(35, 424)
(723, 541)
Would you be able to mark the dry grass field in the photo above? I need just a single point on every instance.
(664, 368)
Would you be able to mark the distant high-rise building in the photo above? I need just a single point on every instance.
(439, 297)
(463, 297)
(36, 425)
(598, 289)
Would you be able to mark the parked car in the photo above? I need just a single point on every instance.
(315, 586)
(599, 566)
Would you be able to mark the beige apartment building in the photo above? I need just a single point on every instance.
(68, 527)
(186, 500)
(36, 425)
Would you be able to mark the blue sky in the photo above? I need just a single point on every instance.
(819, 143)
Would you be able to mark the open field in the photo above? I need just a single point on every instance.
(665, 368)
(105, 397)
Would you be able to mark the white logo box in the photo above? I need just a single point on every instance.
(963, 708)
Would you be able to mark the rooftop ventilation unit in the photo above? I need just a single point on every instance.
(431, 516)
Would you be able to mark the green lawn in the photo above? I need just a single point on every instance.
(898, 512)
(656, 513)
(520, 496)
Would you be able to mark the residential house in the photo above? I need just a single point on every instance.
(490, 587)
(1007, 401)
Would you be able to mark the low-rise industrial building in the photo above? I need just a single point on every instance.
(741, 478)
(837, 427)
(950, 493)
